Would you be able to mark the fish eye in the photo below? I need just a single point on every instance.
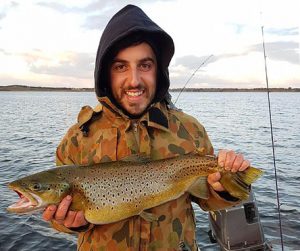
(36, 186)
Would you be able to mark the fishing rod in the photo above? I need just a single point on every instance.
(272, 137)
(192, 76)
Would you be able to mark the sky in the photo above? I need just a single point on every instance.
(53, 43)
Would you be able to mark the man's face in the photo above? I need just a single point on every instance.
(133, 78)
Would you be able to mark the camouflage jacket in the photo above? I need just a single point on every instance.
(106, 134)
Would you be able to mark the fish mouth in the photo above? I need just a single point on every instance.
(27, 202)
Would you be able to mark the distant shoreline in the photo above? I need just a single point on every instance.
(65, 89)
(43, 89)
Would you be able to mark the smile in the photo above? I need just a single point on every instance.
(134, 93)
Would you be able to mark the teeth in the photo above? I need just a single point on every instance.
(134, 94)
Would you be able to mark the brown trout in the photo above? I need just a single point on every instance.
(112, 191)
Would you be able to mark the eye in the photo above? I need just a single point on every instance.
(145, 66)
(119, 67)
(37, 186)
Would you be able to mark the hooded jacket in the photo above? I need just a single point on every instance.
(125, 25)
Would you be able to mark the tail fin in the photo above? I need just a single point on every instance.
(238, 184)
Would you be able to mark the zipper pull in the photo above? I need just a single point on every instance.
(134, 125)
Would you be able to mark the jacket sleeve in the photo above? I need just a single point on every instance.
(216, 200)
(65, 148)
(64, 157)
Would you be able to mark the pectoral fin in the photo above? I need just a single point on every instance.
(199, 188)
(148, 216)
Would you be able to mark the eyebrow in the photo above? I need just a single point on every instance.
(119, 60)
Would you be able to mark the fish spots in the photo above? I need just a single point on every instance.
(135, 183)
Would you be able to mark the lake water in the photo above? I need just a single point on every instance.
(33, 123)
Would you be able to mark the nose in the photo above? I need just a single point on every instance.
(134, 78)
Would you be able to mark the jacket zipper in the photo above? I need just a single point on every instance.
(135, 132)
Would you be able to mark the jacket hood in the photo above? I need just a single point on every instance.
(128, 22)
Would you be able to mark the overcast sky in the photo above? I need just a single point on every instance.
(54, 42)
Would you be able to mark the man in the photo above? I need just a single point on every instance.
(135, 116)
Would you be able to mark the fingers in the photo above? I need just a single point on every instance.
(213, 181)
(49, 213)
(214, 177)
(230, 158)
(69, 220)
(239, 159)
(226, 159)
(222, 157)
(245, 165)
(63, 216)
(232, 161)
(59, 213)
(79, 220)
(75, 219)
(63, 209)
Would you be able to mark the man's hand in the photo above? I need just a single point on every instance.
(231, 161)
(63, 216)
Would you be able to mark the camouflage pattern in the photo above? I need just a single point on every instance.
(160, 133)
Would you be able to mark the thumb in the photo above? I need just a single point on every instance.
(213, 178)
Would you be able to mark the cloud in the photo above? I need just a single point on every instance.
(60, 7)
(204, 80)
(102, 11)
(293, 31)
(4, 52)
(244, 69)
(76, 65)
(98, 21)
(193, 62)
(60, 49)
(282, 51)
(97, 13)
(287, 51)
(38, 67)
(2, 15)
(6, 8)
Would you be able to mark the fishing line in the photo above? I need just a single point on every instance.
(192, 76)
(272, 137)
